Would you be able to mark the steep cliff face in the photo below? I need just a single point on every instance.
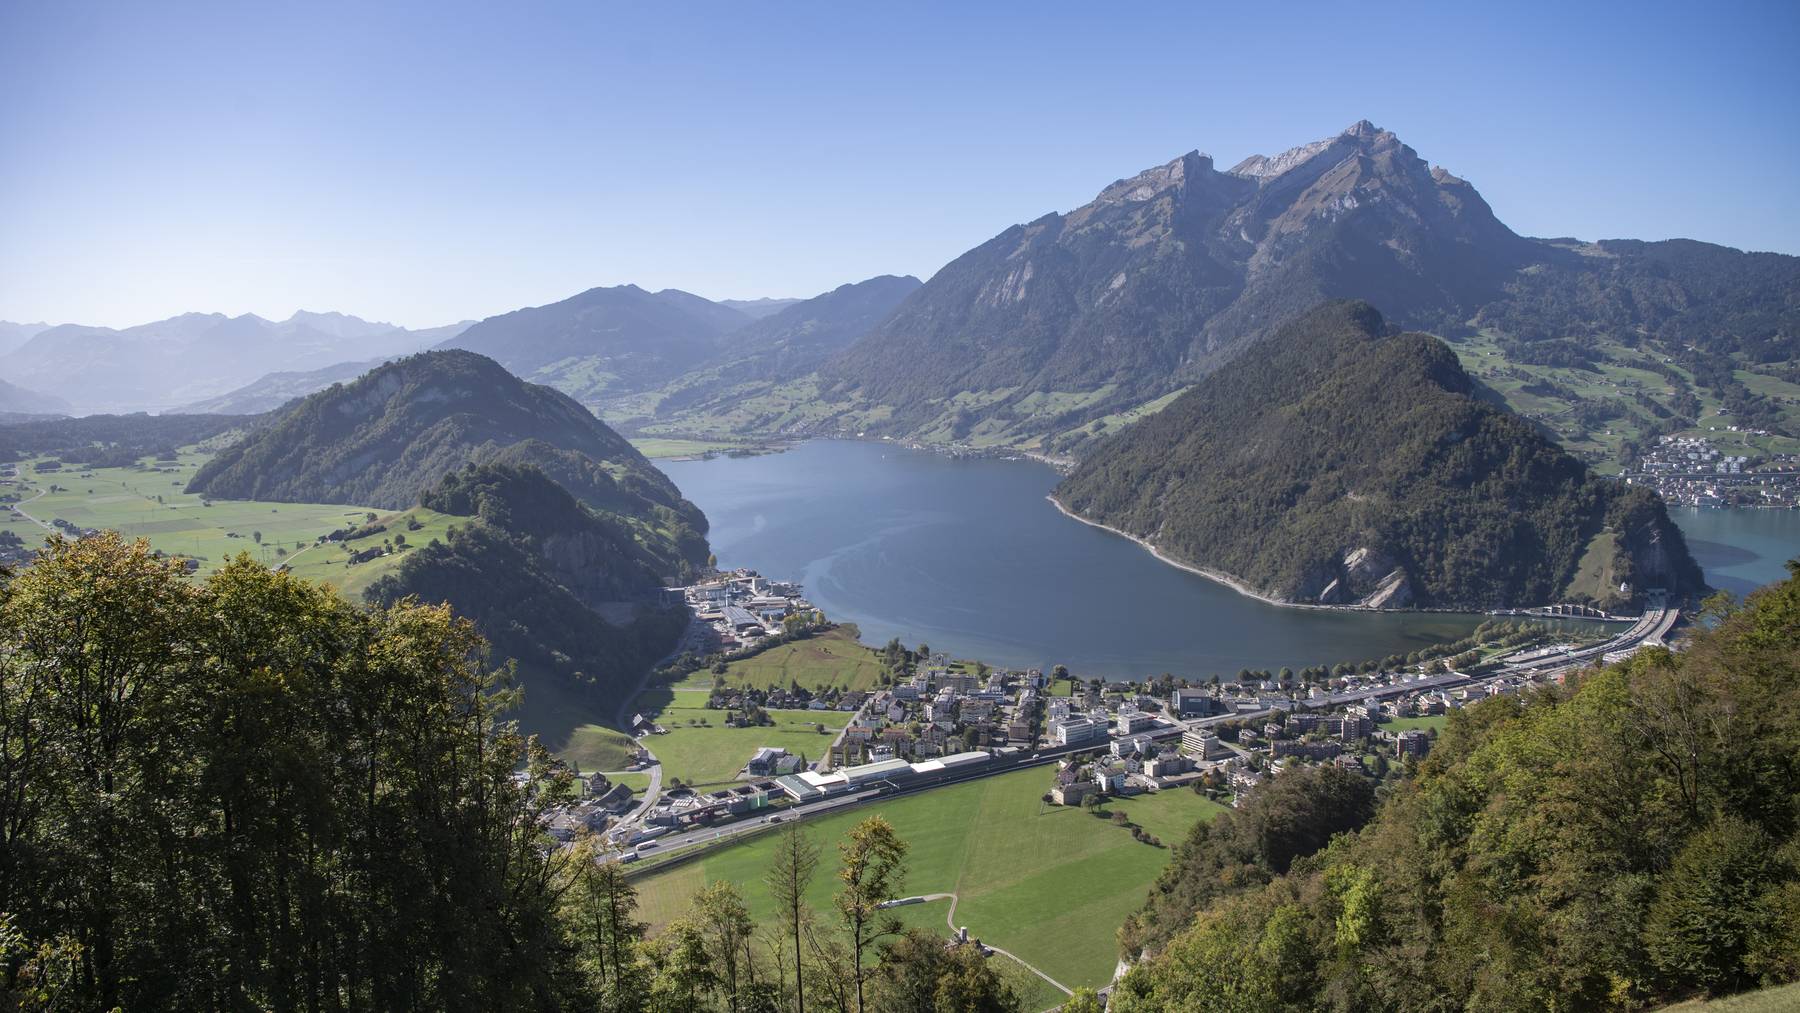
(1340, 463)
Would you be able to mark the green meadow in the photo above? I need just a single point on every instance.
(1048, 883)
(148, 502)
(709, 753)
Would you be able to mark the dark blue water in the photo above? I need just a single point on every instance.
(968, 556)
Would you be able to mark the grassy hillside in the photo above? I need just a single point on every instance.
(831, 659)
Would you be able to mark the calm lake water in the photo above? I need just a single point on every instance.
(1740, 550)
(968, 556)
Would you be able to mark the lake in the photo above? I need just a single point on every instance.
(1740, 550)
(968, 556)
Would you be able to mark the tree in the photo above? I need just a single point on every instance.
(246, 792)
(681, 971)
(724, 924)
(600, 906)
(790, 873)
(919, 974)
(1083, 1000)
(256, 536)
(874, 869)
(1706, 915)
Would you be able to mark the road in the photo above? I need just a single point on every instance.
(19, 508)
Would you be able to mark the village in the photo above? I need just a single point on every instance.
(1691, 471)
(950, 720)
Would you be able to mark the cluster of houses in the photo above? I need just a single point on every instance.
(602, 802)
(737, 610)
(1691, 470)
(1232, 758)
(750, 699)
(942, 710)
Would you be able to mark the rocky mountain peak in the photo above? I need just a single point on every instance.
(1151, 182)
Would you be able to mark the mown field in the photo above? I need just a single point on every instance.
(1436, 721)
(330, 564)
(834, 658)
(654, 447)
(711, 753)
(1048, 883)
(148, 502)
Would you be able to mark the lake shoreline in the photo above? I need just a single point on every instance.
(1236, 584)
(1216, 576)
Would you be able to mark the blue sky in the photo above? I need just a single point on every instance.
(425, 163)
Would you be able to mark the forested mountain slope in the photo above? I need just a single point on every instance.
(1624, 842)
(531, 568)
(1336, 463)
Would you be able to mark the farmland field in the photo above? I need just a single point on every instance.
(666, 447)
(831, 659)
(1047, 883)
(149, 503)
(713, 753)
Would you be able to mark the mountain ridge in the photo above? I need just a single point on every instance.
(1059, 330)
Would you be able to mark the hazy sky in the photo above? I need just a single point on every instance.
(425, 163)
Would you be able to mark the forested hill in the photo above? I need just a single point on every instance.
(398, 430)
(533, 568)
(1627, 841)
(1337, 463)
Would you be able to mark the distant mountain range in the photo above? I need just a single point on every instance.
(19, 401)
(1334, 462)
(630, 349)
(271, 391)
(780, 347)
(1071, 327)
(174, 362)
(13, 335)
(756, 309)
(1075, 324)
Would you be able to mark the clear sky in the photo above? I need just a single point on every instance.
(423, 163)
